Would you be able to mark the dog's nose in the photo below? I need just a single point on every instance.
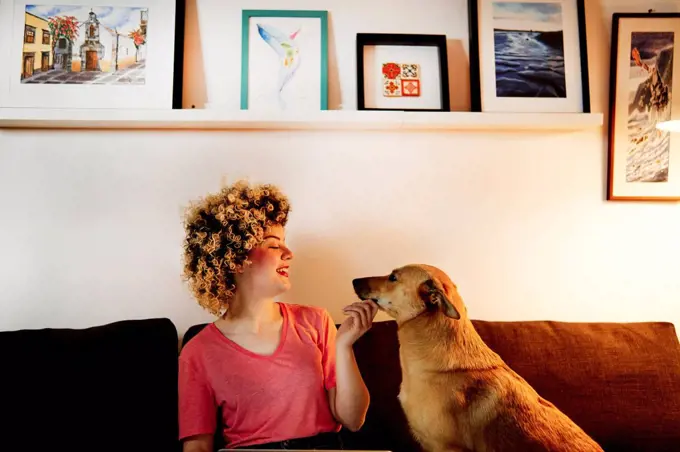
(360, 286)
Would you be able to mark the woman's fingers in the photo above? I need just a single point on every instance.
(373, 307)
(364, 313)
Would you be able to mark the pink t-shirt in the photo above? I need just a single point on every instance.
(263, 398)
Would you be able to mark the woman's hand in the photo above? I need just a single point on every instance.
(360, 320)
(350, 399)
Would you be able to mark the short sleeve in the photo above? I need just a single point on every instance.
(328, 333)
(197, 409)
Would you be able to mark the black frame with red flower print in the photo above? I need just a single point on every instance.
(386, 39)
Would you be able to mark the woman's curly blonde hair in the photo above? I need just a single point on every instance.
(221, 229)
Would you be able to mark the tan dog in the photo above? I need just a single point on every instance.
(457, 394)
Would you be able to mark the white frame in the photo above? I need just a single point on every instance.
(573, 103)
(155, 93)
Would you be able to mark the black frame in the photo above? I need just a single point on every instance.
(475, 76)
(386, 39)
(613, 75)
(178, 75)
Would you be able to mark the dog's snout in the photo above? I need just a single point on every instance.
(361, 287)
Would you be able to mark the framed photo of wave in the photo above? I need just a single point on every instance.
(644, 162)
(284, 60)
(72, 54)
(528, 56)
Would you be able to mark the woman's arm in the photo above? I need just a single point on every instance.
(349, 400)
(198, 443)
(197, 409)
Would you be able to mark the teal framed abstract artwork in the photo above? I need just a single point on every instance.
(284, 60)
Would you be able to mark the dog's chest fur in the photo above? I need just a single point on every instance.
(430, 403)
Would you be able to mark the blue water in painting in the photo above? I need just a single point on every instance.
(529, 64)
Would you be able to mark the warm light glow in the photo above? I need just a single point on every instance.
(669, 126)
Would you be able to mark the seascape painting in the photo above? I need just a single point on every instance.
(284, 63)
(529, 50)
(649, 82)
(75, 44)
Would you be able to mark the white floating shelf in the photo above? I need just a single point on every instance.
(196, 119)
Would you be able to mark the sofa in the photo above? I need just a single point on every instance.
(105, 388)
(114, 387)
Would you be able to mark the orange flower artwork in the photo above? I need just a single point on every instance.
(401, 79)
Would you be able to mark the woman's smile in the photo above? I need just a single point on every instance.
(283, 271)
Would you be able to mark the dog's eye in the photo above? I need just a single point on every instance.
(393, 277)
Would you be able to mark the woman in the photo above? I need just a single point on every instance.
(279, 375)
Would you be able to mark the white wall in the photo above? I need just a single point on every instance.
(90, 222)
(220, 82)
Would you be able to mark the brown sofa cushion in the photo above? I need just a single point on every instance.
(619, 382)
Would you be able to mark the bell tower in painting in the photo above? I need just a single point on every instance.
(92, 50)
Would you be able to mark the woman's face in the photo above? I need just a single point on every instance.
(267, 276)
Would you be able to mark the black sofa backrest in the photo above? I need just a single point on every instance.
(105, 388)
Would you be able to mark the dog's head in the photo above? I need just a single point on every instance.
(410, 291)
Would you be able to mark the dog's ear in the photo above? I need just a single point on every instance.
(434, 295)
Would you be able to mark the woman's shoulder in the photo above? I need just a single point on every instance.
(196, 347)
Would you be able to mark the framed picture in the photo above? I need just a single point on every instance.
(116, 54)
(284, 60)
(528, 56)
(644, 162)
(405, 72)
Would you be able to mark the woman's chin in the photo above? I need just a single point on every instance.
(283, 286)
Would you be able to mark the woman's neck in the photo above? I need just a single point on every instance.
(250, 315)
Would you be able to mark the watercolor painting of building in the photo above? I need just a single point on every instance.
(37, 53)
(89, 45)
